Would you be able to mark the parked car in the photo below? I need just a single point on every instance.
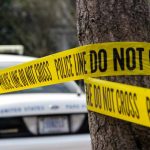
(49, 118)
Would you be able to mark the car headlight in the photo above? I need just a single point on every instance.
(76, 122)
(31, 123)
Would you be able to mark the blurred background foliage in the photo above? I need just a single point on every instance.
(41, 26)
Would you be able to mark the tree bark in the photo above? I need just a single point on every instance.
(115, 20)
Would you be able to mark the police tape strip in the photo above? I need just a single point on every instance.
(105, 59)
(95, 60)
(129, 103)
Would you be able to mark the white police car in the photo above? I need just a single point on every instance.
(49, 118)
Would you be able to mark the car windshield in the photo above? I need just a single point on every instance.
(69, 87)
(58, 88)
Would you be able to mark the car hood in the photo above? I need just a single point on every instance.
(39, 104)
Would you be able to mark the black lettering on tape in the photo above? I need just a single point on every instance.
(102, 55)
(131, 105)
(63, 67)
(149, 56)
(123, 105)
(136, 108)
(39, 71)
(68, 66)
(89, 94)
(97, 97)
(118, 58)
(2, 84)
(8, 80)
(80, 63)
(98, 61)
(108, 99)
(130, 58)
(117, 101)
(126, 103)
(42, 72)
(148, 107)
(140, 50)
(5, 81)
(57, 66)
(93, 61)
(49, 75)
(30, 75)
(15, 79)
(23, 77)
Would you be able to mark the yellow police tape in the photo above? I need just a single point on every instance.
(95, 60)
(106, 59)
(117, 100)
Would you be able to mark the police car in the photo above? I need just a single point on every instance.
(49, 118)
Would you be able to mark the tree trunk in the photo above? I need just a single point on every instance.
(115, 20)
